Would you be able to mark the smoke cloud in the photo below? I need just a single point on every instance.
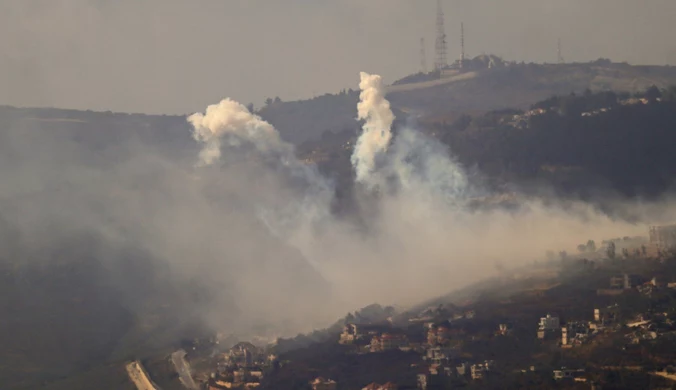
(229, 118)
(421, 231)
(375, 110)
(246, 241)
(231, 123)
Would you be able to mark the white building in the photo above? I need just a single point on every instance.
(549, 323)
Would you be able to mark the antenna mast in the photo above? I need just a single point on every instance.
(423, 56)
(462, 45)
(559, 57)
(440, 44)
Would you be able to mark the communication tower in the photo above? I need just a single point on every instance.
(423, 56)
(440, 44)
(462, 45)
(559, 57)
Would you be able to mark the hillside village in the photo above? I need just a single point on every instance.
(602, 318)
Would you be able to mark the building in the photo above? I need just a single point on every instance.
(243, 354)
(357, 332)
(348, 336)
(386, 386)
(438, 355)
(659, 281)
(549, 323)
(621, 283)
(423, 381)
(663, 237)
(606, 315)
(478, 371)
(462, 369)
(565, 373)
(504, 329)
(442, 334)
(548, 327)
(625, 281)
(323, 384)
(388, 342)
(574, 333)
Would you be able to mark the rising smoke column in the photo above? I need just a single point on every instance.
(375, 110)
(420, 165)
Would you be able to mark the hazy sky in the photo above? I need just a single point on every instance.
(177, 56)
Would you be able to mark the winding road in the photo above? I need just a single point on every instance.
(183, 369)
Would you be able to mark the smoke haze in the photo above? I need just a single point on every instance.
(238, 216)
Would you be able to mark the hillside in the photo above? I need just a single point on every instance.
(499, 327)
(105, 256)
(80, 304)
(479, 90)
(582, 145)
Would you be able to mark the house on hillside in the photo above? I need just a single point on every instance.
(504, 329)
(607, 315)
(479, 370)
(386, 386)
(620, 284)
(243, 354)
(388, 342)
(323, 384)
(442, 334)
(548, 327)
(625, 281)
(438, 355)
(565, 373)
(575, 333)
(663, 237)
(357, 332)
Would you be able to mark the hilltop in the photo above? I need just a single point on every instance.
(486, 83)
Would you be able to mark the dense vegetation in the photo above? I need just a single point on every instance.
(590, 140)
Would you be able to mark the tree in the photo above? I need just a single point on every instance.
(610, 251)
(563, 255)
(669, 94)
(625, 253)
(591, 246)
(644, 250)
(582, 248)
(268, 101)
(653, 93)
(278, 100)
(462, 122)
(250, 107)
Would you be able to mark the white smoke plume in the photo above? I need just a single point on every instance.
(375, 110)
(230, 126)
(232, 118)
